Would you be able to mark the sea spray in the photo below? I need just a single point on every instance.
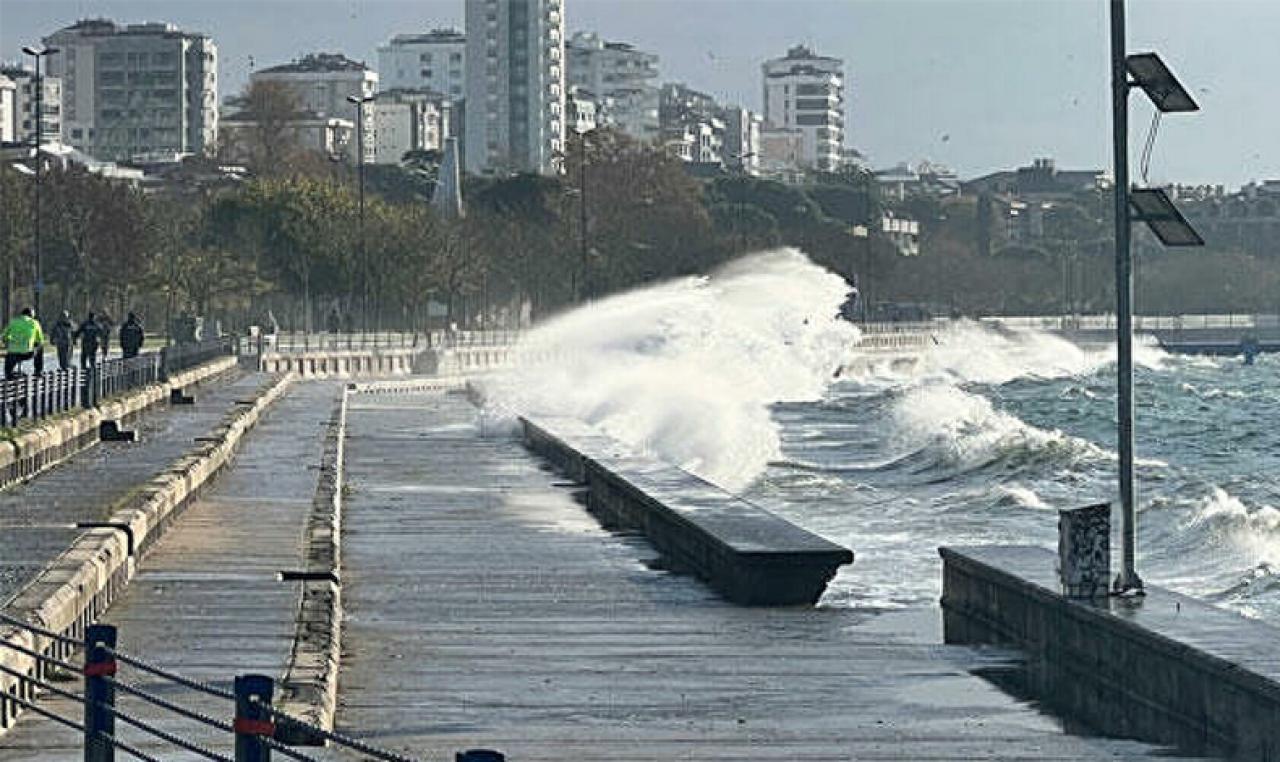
(687, 370)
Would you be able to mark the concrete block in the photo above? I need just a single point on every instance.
(1084, 551)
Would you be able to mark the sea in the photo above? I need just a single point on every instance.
(748, 378)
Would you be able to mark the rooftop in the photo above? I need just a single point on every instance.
(317, 62)
(435, 36)
(103, 27)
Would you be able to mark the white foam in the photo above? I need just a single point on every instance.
(687, 369)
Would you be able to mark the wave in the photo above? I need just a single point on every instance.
(687, 369)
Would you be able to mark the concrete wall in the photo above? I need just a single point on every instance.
(82, 582)
(748, 555)
(1164, 668)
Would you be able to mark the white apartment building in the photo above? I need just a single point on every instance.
(434, 61)
(408, 120)
(136, 91)
(804, 92)
(321, 84)
(621, 77)
(583, 109)
(515, 105)
(8, 94)
(23, 109)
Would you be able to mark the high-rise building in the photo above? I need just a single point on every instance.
(432, 61)
(320, 83)
(136, 91)
(8, 94)
(804, 94)
(515, 105)
(22, 119)
(741, 139)
(621, 77)
(692, 124)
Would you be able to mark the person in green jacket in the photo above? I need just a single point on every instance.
(22, 339)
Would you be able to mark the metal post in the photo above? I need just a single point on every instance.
(582, 224)
(1128, 580)
(99, 693)
(253, 718)
(37, 286)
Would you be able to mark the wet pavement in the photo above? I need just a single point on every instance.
(486, 608)
(207, 601)
(38, 517)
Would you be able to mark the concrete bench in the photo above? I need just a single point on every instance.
(747, 554)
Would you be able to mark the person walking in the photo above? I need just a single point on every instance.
(104, 334)
(61, 338)
(131, 336)
(22, 337)
(89, 332)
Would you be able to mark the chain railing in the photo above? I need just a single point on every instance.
(254, 730)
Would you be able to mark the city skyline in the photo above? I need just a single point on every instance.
(916, 88)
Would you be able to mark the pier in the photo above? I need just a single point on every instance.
(532, 590)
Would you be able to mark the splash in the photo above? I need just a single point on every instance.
(687, 370)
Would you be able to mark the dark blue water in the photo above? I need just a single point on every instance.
(992, 433)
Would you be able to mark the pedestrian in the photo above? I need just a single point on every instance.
(22, 337)
(105, 325)
(131, 336)
(61, 338)
(89, 332)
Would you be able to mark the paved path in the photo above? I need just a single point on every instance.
(38, 517)
(207, 601)
(485, 608)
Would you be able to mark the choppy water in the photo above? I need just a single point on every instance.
(733, 378)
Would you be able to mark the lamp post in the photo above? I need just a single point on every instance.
(359, 102)
(1147, 72)
(583, 291)
(38, 54)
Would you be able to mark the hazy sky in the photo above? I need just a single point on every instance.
(977, 84)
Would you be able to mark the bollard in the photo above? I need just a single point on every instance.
(99, 694)
(479, 755)
(1084, 551)
(253, 718)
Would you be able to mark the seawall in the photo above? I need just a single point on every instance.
(1165, 668)
(747, 554)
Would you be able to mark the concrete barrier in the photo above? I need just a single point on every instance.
(1165, 668)
(56, 439)
(342, 363)
(81, 583)
(309, 687)
(747, 554)
(411, 385)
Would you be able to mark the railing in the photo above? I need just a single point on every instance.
(251, 726)
(303, 343)
(35, 397)
(1140, 322)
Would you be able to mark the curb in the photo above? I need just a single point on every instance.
(309, 687)
(79, 585)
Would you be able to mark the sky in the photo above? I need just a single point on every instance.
(979, 85)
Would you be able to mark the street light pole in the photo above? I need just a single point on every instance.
(359, 102)
(1128, 580)
(37, 284)
(582, 289)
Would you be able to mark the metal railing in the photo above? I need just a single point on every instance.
(35, 397)
(288, 342)
(252, 726)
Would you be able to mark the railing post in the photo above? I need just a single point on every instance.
(99, 693)
(253, 718)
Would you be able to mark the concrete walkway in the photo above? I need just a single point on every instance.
(207, 602)
(38, 517)
(485, 608)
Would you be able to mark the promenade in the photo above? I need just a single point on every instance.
(486, 608)
(207, 601)
(38, 517)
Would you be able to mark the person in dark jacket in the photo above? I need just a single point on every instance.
(104, 334)
(131, 336)
(89, 332)
(60, 336)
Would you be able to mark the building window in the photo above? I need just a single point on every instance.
(425, 58)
